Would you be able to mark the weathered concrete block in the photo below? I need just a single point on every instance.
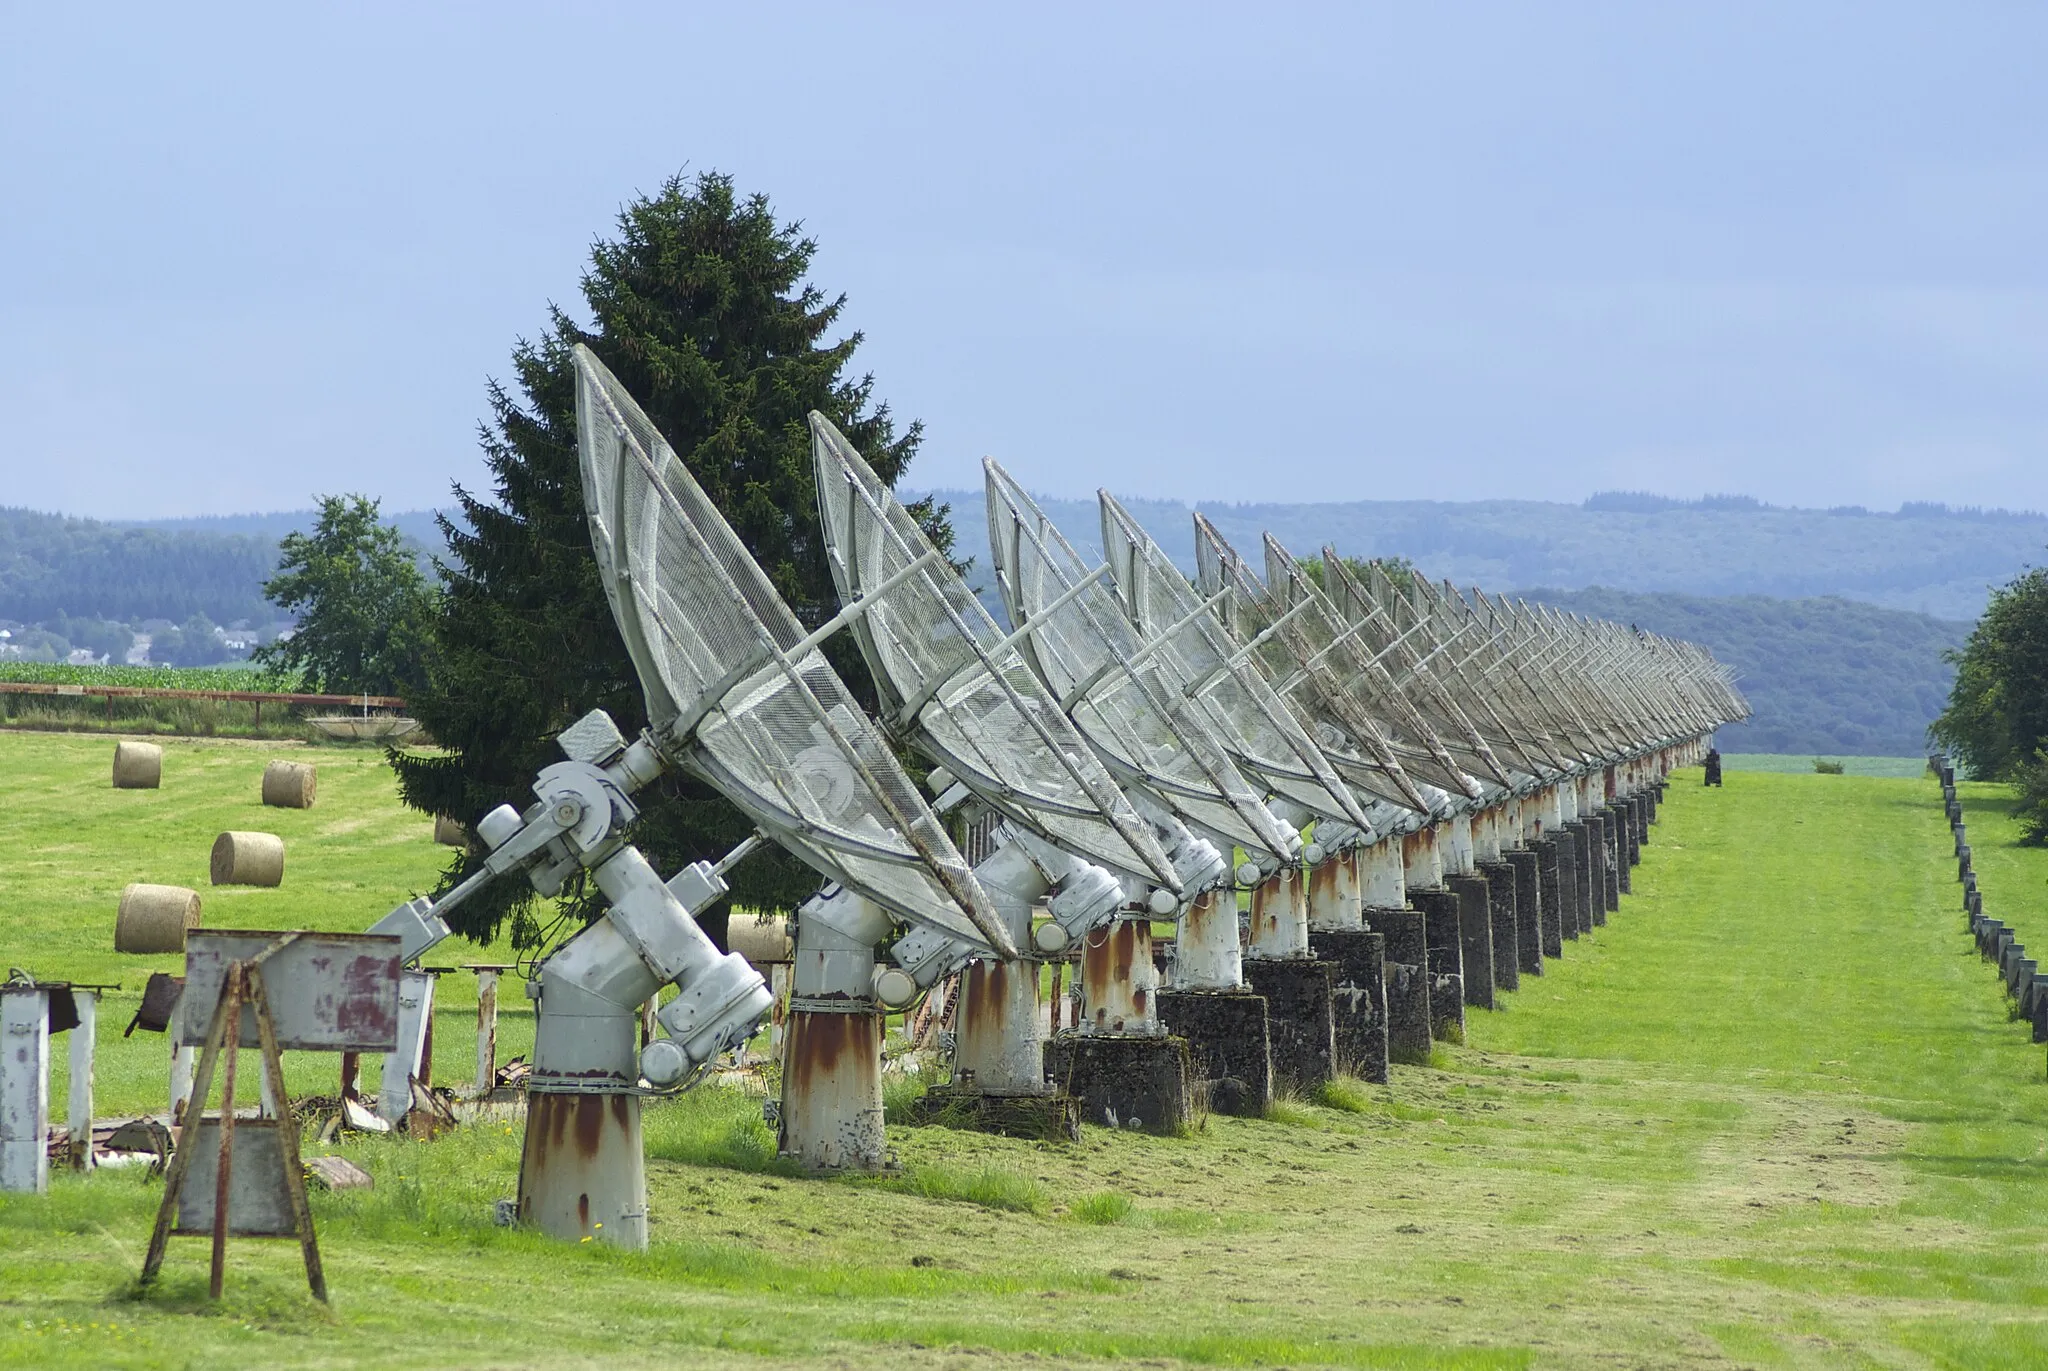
(1228, 1040)
(1050, 1117)
(1123, 1082)
(1407, 981)
(1622, 860)
(1594, 876)
(1446, 962)
(1475, 935)
(1611, 865)
(1552, 932)
(1299, 1018)
(1567, 884)
(1359, 999)
(1507, 957)
(1528, 909)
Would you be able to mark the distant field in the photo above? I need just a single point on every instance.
(1773, 1114)
(242, 677)
(74, 842)
(1896, 767)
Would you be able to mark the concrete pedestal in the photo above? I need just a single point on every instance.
(1440, 927)
(1528, 909)
(1359, 1003)
(1299, 1018)
(1568, 923)
(1594, 876)
(1475, 934)
(1618, 813)
(1123, 1082)
(1500, 888)
(1229, 1050)
(1049, 1116)
(1407, 981)
(1610, 860)
(1552, 931)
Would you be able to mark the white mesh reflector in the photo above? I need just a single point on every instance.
(947, 677)
(1237, 702)
(730, 694)
(1371, 739)
(1121, 698)
(1374, 639)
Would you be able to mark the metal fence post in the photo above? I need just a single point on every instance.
(84, 1038)
(24, 1088)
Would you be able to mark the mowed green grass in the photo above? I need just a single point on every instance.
(1773, 1114)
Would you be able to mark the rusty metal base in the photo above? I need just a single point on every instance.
(1048, 1117)
(1359, 1008)
(1229, 1045)
(1124, 1082)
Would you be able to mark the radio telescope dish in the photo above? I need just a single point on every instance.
(1463, 657)
(948, 676)
(1395, 649)
(1111, 683)
(1244, 714)
(1373, 734)
(739, 695)
(1368, 669)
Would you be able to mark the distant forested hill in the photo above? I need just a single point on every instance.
(51, 566)
(1825, 676)
(1928, 558)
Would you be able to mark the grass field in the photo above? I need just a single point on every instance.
(1772, 1115)
(1896, 767)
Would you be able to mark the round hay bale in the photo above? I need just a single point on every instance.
(138, 766)
(762, 939)
(248, 859)
(155, 918)
(450, 832)
(288, 785)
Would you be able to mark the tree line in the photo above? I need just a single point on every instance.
(1996, 721)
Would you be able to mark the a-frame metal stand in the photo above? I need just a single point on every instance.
(250, 1209)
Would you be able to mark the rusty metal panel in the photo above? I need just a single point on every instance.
(328, 992)
(259, 1205)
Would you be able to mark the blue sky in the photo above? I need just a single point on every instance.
(1283, 253)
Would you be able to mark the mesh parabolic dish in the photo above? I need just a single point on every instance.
(1244, 714)
(947, 678)
(730, 698)
(1401, 647)
(1365, 670)
(1303, 676)
(1465, 656)
(1088, 653)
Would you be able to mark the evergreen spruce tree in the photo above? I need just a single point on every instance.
(700, 306)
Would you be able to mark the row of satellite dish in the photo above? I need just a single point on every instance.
(1149, 741)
